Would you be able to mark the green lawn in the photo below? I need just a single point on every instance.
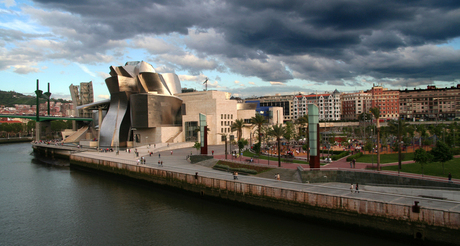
(387, 158)
(275, 159)
(433, 168)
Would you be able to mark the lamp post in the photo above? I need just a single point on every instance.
(372, 154)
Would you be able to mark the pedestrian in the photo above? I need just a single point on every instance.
(212, 152)
(161, 163)
(351, 164)
(235, 175)
(196, 175)
(159, 155)
(150, 153)
(171, 152)
(351, 188)
(278, 177)
(158, 162)
(354, 163)
(449, 177)
(137, 161)
(357, 189)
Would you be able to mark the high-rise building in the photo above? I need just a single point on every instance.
(81, 97)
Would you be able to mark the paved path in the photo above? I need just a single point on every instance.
(177, 162)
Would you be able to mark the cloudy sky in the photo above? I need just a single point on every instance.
(255, 47)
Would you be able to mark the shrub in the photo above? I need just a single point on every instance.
(456, 151)
(343, 154)
(231, 166)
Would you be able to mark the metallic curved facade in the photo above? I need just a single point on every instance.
(139, 98)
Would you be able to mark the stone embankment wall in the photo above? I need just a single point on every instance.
(341, 176)
(394, 219)
(51, 152)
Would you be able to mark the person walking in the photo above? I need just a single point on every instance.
(351, 188)
(354, 163)
(171, 152)
(351, 164)
(196, 175)
(213, 152)
(357, 189)
(449, 177)
(159, 155)
(235, 175)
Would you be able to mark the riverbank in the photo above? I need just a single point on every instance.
(430, 221)
(15, 140)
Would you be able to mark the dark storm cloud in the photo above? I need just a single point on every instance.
(323, 41)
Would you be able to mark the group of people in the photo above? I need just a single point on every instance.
(357, 188)
(141, 160)
(353, 163)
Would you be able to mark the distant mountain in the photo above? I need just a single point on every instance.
(10, 98)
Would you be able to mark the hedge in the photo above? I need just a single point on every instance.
(233, 169)
(342, 154)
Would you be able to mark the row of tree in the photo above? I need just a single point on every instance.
(26, 129)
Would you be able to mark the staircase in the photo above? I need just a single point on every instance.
(171, 140)
(74, 138)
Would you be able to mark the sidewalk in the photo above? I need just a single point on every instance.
(177, 162)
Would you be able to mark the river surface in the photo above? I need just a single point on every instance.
(42, 204)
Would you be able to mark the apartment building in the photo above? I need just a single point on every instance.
(430, 104)
(354, 104)
(283, 101)
(386, 100)
(329, 105)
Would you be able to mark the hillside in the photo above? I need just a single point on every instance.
(10, 98)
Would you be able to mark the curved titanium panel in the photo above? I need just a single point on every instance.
(144, 67)
(153, 81)
(172, 82)
(112, 123)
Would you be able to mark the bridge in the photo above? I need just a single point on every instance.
(44, 118)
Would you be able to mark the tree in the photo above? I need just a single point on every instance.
(302, 121)
(375, 111)
(422, 132)
(197, 146)
(289, 131)
(238, 126)
(258, 120)
(241, 143)
(442, 153)
(278, 131)
(422, 157)
(399, 128)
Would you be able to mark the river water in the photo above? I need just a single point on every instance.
(42, 204)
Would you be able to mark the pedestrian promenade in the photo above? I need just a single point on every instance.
(175, 160)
